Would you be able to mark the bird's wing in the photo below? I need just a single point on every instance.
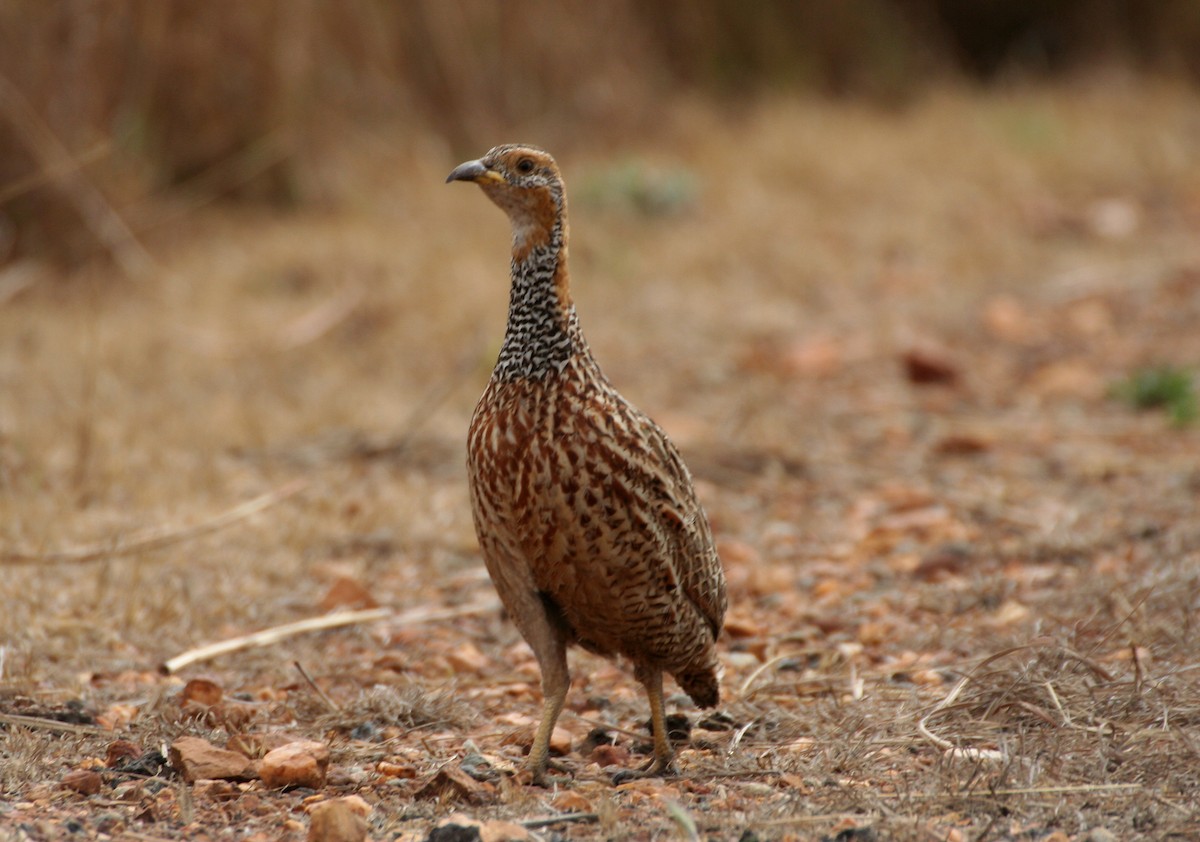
(658, 470)
(695, 554)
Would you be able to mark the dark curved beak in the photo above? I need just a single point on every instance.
(469, 171)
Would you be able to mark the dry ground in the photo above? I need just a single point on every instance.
(964, 579)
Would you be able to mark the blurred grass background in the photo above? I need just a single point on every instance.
(120, 105)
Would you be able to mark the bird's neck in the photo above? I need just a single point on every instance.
(543, 331)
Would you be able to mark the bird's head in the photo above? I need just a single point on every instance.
(525, 183)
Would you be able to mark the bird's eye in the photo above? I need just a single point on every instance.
(525, 166)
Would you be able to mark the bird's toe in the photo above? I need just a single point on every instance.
(658, 768)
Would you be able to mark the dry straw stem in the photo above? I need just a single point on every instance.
(273, 635)
(566, 818)
(57, 172)
(1080, 789)
(158, 536)
(944, 744)
(954, 751)
(60, 166)
(319, 321)
(43, 724)
(968, 753)
(329, 703)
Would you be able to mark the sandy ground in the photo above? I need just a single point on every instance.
(964, 577)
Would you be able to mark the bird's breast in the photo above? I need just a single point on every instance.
(535, 467)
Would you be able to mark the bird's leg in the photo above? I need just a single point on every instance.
(664, 754)
(552, 659)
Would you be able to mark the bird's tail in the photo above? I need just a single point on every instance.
(701, 685)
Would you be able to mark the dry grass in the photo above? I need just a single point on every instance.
(106, 105)
(1017, 536)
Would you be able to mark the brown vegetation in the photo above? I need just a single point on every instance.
(105, 107)
(963, 606)
(964, 569)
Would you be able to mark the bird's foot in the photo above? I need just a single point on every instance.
(658, 767)
(538, 777)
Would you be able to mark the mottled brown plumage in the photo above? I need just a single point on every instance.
(585, 512)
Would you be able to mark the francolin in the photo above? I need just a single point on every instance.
(585, 513)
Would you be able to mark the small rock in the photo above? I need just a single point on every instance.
(339, 820)
(350, 777)
(1100, 834)
(501, 831)
(819, 356)
(302, 763)
(110, 824)
(928, 365)
(560, 741)
(740, 626)
(1113, 219)
(196, 759)
(83, 781)
(479, 767)
(205, 790)
(129, 791)
(396, 770)
(1007, 319)
(962, 444)
(358, 804)
(1071, 378)
(606, 755)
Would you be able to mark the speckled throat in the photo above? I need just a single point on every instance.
(543, 330)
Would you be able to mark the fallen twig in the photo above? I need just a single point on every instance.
(158, 536)
(317, 322)
(16, 279)
(271, 636)
(437, 395)
(860, 819)
(57, 162)
(1066, 717)
(549, 821)
(44, 724)
(1080, 789)
(952, 750)
(596, 723)
(333, 708)
(60, 170)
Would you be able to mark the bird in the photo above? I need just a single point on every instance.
(585, 513)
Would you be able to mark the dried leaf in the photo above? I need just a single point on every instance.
(451, 782)
(347, 592)
(83, 781)
(201, 691)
